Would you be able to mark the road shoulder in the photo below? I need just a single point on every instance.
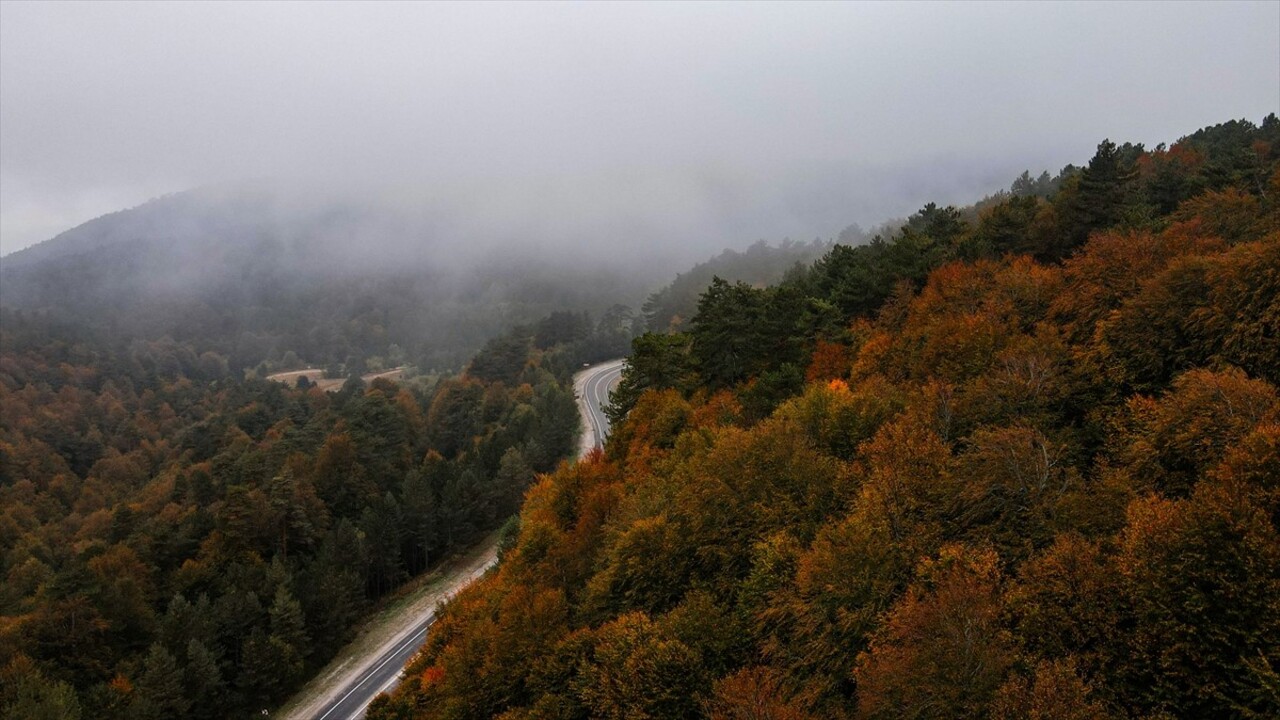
(399, 617)
(388, 627)
(588, 440)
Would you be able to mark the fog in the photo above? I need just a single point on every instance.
(656, 132)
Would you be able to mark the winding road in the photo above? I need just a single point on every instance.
(592, 387)
(355, 687)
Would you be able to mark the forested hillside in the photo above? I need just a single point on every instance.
(1014, 461)
(274, 281)
(180, 537)
(674, 305)
(181, 543)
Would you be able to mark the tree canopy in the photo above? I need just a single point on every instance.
(1025, 468)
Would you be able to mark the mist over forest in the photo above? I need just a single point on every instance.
(427, 176)
(660, 134)
(561, 361)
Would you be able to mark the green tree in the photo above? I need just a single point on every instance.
(657, 362)
(513, 478)
(727, 332)
(27, 694)
(381, 525)
(455, 416)
(203, 682)
(560, 328)
(421, 522)
(288, 623)
(265, 668)
(160, 691)
(296, 512)
(943, 225)
(341, 481)
(1100, 195)
(554, 431)
(1005, 228)
(334, 584)
(503, 358)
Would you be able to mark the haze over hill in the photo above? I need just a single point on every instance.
(1011, 455)
(427, 176)
(255, 274)
(631, 131)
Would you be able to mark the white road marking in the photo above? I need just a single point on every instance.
(392, 654)
(596, 391)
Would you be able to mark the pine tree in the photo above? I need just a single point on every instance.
(160, 691)
(725, 343)
(204, 684)
(267, 668)
(513, 478)
(1099, 196)
(420, 521)
(26, 693)
(335, 583)
(381, 526)
(288, 623)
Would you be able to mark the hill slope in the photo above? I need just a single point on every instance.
(257, 275)
(1019, 467)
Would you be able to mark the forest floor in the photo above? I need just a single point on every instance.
(396, 619)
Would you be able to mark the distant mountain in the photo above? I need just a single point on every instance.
(186, 217)
(255, 274)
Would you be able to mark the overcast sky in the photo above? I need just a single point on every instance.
(699, 123)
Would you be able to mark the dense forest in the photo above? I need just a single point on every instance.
(181, 542)
(1018, 460)
(181, 537)
(671, 307)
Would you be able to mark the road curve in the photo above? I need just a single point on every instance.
(592, 387)
(381, 673)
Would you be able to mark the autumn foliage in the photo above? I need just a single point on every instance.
(1032, 474)
(179, 543)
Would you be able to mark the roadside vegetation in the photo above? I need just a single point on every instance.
(181, 542)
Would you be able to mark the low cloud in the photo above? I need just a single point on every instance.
(626, 131)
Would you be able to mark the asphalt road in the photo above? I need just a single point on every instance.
(383, 676)
(383, 672)
(593, 386)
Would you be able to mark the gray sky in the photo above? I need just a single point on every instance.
(701, 124)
